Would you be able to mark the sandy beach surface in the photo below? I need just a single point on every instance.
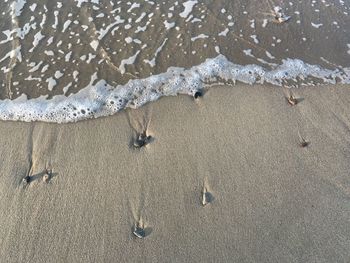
(271, 200)
(237, 175)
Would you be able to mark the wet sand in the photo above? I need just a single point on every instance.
(57, 57)
(273, 200)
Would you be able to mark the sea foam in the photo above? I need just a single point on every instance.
(101, 99)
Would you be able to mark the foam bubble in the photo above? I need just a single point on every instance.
(102, 99)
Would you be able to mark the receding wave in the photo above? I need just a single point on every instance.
(101, 99)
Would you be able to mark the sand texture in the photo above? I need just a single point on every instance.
(269, 199)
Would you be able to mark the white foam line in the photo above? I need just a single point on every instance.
(101, 99)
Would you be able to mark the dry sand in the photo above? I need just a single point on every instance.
(273, 201)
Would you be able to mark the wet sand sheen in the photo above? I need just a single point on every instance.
(270, 200)
(54, 48)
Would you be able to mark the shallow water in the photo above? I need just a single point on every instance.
(51, 48)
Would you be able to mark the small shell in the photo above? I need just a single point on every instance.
(204, 200)
(139, 232)
(206, 197)
(304, 143)
(142, 140)
(46, 177)
(282, 19)
(139, 143)
(292, 100)
(26, 180)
